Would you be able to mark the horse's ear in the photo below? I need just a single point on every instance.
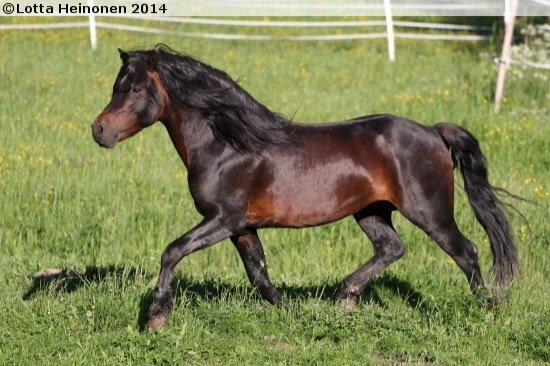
(123, 54)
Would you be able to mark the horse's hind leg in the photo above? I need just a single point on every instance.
(388, 248)
(252, 254)
(432, 211)
(463, 251)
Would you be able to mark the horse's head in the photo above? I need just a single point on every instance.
(138, 101)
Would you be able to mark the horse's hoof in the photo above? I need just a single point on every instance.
(157, 322)
(348, 303)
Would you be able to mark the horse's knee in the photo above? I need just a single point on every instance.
(170, 257)
(394, 250)
(390, 247)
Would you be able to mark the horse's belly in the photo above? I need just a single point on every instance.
(313, 202)
(319, 210)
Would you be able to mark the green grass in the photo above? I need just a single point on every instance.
(66, 203)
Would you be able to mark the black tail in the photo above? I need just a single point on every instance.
(488, 209)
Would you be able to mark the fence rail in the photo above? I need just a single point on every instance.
(35, 26)
(389, 34)
(311, 24)
(311, 37)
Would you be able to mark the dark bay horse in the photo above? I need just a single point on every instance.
(249, 168)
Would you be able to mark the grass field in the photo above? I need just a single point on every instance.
(107, 215)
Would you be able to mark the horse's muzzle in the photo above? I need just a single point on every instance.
(101, 136)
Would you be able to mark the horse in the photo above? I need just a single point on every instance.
(250, 168)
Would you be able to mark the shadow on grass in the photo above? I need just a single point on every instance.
(387, 281)
(68, 280)
(193, 290)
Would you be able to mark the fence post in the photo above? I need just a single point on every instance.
(510, 8)
(93, 28)
(389, 30)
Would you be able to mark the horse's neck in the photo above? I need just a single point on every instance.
(189, 133)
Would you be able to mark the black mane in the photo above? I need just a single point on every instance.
(234, 116)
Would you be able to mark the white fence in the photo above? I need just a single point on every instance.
(390, 34)
(481, 33)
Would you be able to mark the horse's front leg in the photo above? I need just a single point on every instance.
(207, 233)
(252, 254)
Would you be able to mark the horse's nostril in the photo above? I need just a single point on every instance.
(100, 130)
